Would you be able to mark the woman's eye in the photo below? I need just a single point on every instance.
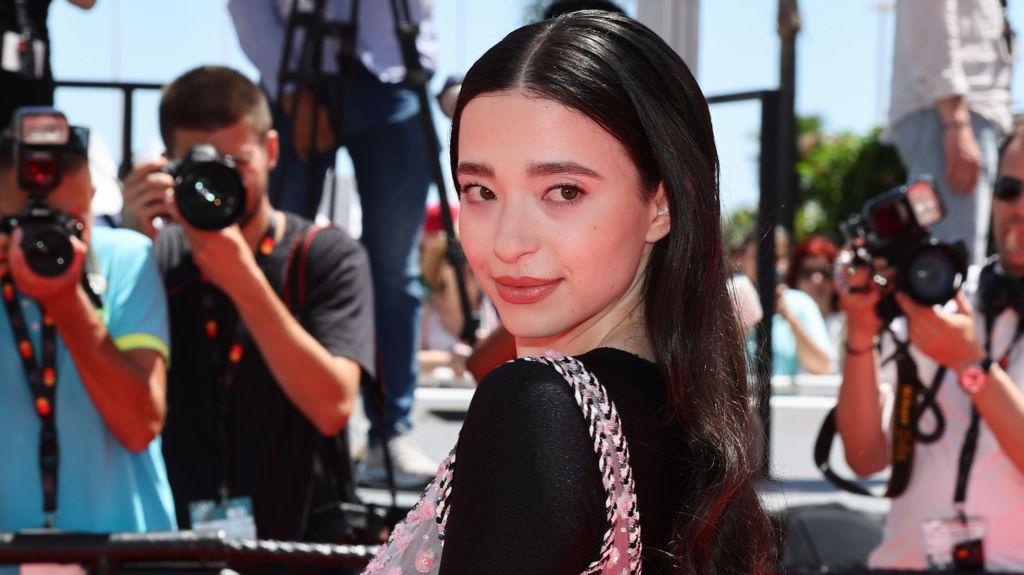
(564, 194)
(477, 193)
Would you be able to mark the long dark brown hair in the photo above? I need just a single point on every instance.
(623, 76)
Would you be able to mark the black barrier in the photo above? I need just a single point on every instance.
(864, 571)
(104, 554)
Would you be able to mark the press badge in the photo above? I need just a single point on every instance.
(233, 518)
(955, 543)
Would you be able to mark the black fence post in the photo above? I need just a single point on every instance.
(770, 167)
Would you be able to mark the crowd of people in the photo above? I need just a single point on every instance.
(174, 374)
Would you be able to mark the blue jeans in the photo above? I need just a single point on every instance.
(382, 131)
(919, 139)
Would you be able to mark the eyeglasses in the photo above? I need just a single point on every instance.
(808, 273)
(1006, 188)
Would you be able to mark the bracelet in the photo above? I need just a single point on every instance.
(850, 352)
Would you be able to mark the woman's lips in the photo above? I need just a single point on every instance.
(524, 290)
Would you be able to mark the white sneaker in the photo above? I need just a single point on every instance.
(412, 468)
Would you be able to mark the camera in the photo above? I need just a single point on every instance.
(42, 141)
(208, 189)
(894, 227)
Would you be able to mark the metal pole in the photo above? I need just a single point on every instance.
(789, 26)
(417, 77)
(771, 165)
(126, 132)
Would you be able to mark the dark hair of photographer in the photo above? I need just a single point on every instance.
(620, 75)
(186, 104)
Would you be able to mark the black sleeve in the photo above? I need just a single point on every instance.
(527, 495)
(338, 310)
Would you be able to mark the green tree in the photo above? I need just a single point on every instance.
(837, 173)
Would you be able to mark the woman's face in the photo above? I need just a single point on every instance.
(554, 221)
(815, 279)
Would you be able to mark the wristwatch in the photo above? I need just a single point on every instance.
(974, 378)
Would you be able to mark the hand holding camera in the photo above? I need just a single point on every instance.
(222, 255)
(890, 241)
(144, 191)
(45, 289)
(858, 298)
(947, 337)
(43, 143)
(205, 187)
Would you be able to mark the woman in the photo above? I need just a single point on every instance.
(811, 273)
(583, 152)
(800, 339)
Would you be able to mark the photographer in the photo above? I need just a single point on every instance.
(971, 473)
(257, 383)
(82, 363)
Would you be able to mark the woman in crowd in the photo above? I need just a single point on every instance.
(811, 272)
(584, 155)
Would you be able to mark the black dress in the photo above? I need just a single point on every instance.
(527, 495)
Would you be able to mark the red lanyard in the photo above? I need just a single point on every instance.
(42, 383)
(227, 367)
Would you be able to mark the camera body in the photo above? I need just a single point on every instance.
(42, 136)
(208, 190)
(893, 231)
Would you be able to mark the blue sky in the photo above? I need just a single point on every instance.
(842, 60)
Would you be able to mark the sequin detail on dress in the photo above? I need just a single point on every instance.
(416, 543)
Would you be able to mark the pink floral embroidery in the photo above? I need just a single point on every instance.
(395, 571)
(427, 510)
(403, 533)
(425, 561)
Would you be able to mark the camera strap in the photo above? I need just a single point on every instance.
(227, 367)
(912, 399)
(42, 383)
(970, 444)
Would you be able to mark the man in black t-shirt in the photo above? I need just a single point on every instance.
(274, 379)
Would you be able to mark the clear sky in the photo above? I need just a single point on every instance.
(843, 51)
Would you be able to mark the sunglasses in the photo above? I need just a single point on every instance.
(808, 273)
(1007, 188)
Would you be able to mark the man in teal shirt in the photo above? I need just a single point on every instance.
(101, 390)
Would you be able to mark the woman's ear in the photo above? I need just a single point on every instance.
(661, 219)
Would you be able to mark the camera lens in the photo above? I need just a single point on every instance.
(932, 275)
(210, 196)
(48, 250)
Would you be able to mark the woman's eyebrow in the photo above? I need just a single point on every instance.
(535, 169)
(474, 169)
(560, 168)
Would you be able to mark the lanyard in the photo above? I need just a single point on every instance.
(227, 367)
(42, 383)
(970, 445)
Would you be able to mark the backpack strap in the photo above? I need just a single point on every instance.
(293, 290)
